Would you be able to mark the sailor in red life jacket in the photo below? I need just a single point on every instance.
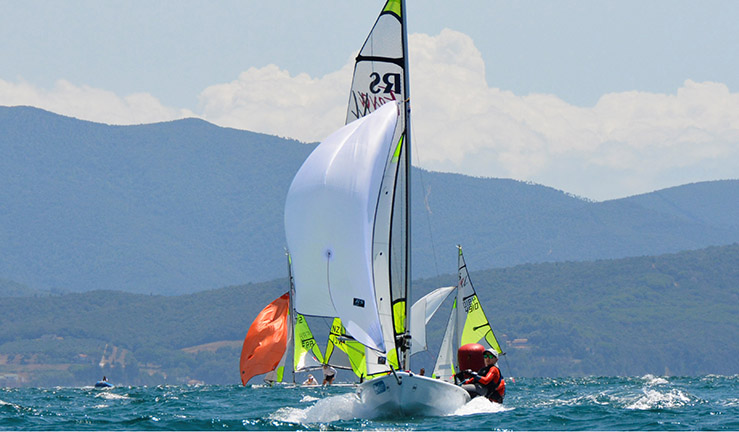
(488, 381)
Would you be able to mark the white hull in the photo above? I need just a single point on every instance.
(410, 395)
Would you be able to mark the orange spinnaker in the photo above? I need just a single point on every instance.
(266, 340)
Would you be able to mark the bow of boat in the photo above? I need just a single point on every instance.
(408, 394)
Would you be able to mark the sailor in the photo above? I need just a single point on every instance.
(488, 381)
(328, 374)
(310, 381)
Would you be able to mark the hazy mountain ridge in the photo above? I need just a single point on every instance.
(185, 206)
(713, 203)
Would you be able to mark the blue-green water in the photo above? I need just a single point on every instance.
(604, 403)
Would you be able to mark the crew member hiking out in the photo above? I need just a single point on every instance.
(488, 381)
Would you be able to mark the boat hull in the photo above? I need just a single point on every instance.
(412, 395)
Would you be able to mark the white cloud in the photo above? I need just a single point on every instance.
(269, 100)
(89, 103)
(628, 143)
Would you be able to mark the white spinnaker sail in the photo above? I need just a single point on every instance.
(329, 224)
(421, 313)
(444, 367)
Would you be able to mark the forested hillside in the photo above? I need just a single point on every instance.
(184, 206)
(673, 314)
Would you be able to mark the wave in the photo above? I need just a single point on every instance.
(654, 399)
(480, 405)
(308, 398)
(112, 396)
(654, 380)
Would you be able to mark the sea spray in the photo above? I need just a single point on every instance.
(480, 405)
(326, 410)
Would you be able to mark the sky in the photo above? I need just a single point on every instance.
(601, 99)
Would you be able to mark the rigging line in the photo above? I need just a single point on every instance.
(508, 366)
(427, 206)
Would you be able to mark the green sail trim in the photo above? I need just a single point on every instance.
(304, 342)
(279, 373)
(477, 326)
(399, 316)
(393, 6)
(398, 148)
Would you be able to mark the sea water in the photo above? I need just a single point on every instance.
(595, 403)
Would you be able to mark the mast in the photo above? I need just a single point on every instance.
(292, 309)
(406, 360)
(460, 312)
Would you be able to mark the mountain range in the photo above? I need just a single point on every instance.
(184, 206)
(673, 314)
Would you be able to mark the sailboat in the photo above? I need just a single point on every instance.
(347, 223)
(277, 327)
(467, 324)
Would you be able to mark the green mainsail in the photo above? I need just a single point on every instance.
(307, 353)
(350, 353)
